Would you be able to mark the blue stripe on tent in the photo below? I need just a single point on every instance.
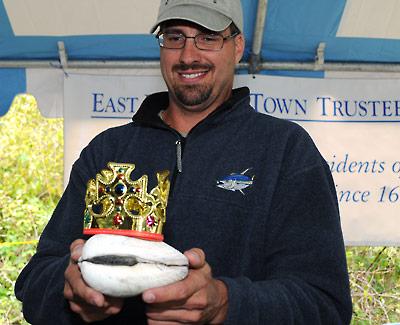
(92, 47)
(337, 50)
(110, 47)
(249, 14)
(99, 47)
(310, 16)
(287, 73)
(293, 33)
(294, 73)
(291, 30)
(362, 50)
(12, 82)
(5, 30)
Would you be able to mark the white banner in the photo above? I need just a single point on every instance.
(355, 124)
(93, 103)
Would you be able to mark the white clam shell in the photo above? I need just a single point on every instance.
(158, 264)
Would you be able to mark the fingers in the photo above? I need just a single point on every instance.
(156, 322)
(196, 257)
(178, 293)
(76, 289)
(207, 306)
(76, 249)
(91, 313)
(90, 304)
(197, 299)
(178, 316)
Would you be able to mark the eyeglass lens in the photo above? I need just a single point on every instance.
(202, 41)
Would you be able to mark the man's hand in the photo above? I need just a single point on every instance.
(198, 299)
(90, 304)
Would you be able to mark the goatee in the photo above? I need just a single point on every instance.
(193, 95)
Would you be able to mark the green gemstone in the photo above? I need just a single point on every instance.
(87, 219)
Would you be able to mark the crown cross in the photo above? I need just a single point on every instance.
(116, 204)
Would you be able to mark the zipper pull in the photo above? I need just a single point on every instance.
(179, 155)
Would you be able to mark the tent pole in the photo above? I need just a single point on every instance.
(332, 66)
(258, 37)
(81, 64)
(62, 52)
(320, 57)
(271, 65)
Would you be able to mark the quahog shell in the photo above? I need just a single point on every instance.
(121, 266)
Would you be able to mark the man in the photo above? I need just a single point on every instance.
(250, 191)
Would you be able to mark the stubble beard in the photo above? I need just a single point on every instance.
(193, 95)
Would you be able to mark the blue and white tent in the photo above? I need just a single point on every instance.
(331, 66)
(308, 36)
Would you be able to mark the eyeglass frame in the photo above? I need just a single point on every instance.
(224, 38)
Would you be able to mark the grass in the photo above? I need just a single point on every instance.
(31, 165)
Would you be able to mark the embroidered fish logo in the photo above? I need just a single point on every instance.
(236, 182)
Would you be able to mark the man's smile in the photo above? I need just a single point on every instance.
(192, 75)
(192, 72)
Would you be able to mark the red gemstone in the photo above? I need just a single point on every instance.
(101, 190)
(138, 189)
(119, 201)
(150, 221)
(120, 176)
(118, 220)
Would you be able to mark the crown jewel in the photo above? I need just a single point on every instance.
(115, 204)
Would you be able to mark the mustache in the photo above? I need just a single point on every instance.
(193, 66)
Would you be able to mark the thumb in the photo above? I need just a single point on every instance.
(196, 257)
(76, 249)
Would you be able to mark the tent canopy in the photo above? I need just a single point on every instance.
(47, 46)
(280, 35)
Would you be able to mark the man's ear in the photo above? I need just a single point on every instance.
(239, 47)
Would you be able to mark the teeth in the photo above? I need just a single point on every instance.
(192, 75)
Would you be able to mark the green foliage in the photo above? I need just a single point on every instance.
(375, 284)
(31, 152)
(31, 165)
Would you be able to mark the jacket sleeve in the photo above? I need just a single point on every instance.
(307, 280)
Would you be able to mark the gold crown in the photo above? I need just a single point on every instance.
(115, 204)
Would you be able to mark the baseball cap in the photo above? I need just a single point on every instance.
(215, 15)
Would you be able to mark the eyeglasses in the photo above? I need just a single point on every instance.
(206, 42)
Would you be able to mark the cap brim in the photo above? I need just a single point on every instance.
(204, 17)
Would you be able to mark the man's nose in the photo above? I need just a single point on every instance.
(189, 53)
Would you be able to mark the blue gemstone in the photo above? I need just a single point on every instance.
(108, 189)
(97, 208)
(120, 189)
